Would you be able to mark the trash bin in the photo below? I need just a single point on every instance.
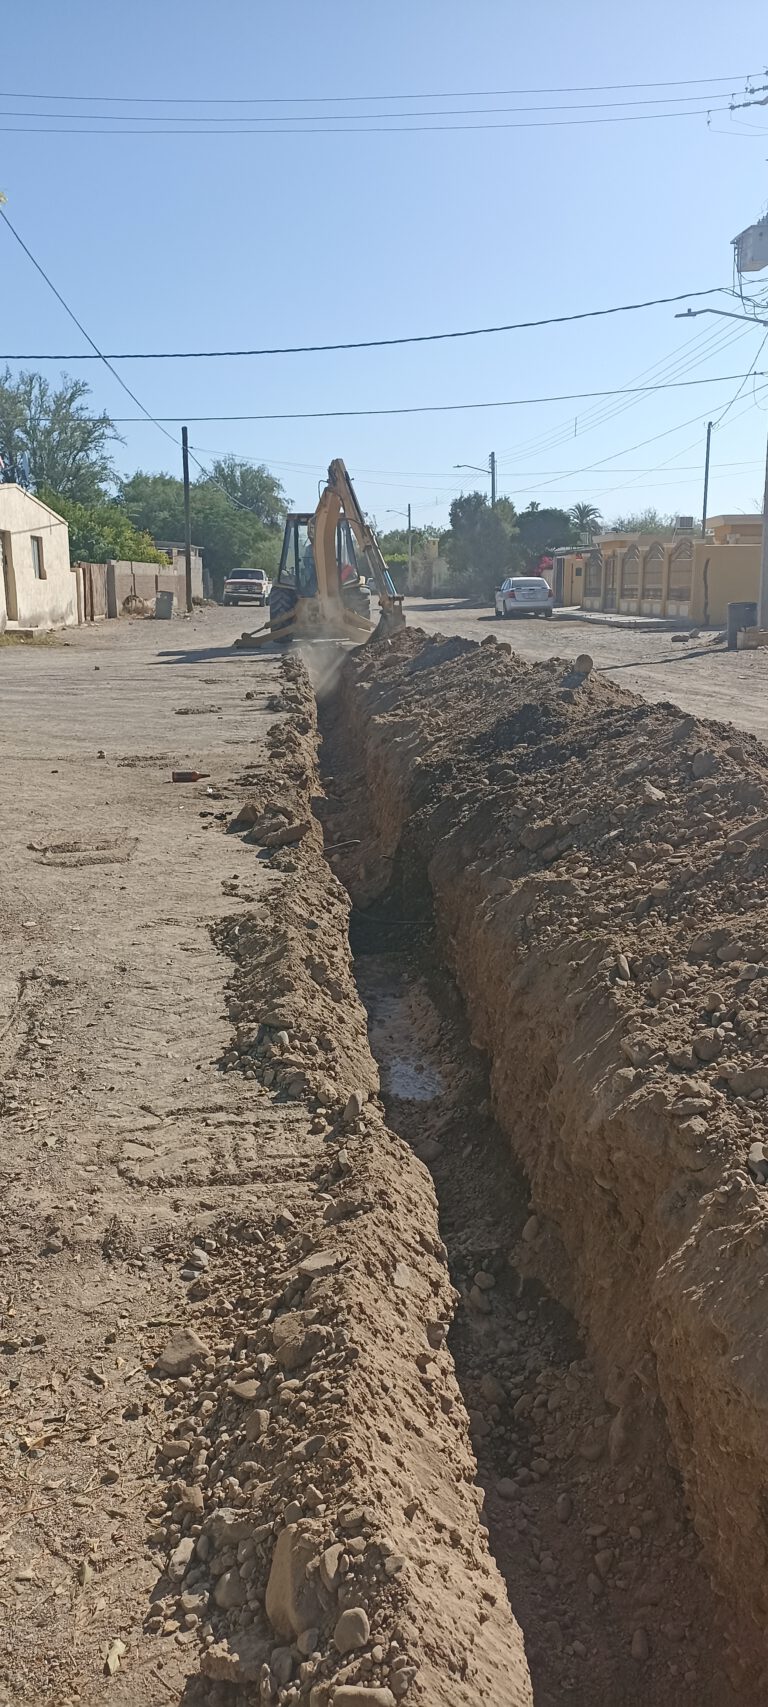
(164, 607)
(741, 614)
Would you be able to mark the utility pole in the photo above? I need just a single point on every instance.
(410, 549)
(749, 320)
(706, 483)
(492, 465)
(762, 596)
(187, 520)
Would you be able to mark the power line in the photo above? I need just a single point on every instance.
(81, 328)
(107, 363)
(668, 367)
(444, 408)
(354, 130)
(422, 95)
(416, 113)
(376, 343)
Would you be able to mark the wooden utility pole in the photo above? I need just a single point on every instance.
(706, 483)
(187, 520)
(762, 595)
(410, 550)
(492, 465)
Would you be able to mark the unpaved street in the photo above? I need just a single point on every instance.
(119, 1130)
(700, 677)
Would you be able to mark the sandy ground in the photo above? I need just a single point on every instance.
(700, 677)
(119, 1130)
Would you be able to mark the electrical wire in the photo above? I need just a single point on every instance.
(380, 343)
(668, 367)
(438, 408)
(145, 413)
(747, 376)
(415, 113)
(355, 129)
(421, 95)
(80, 327)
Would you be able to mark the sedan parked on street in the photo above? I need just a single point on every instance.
(246, 586)
(524, 595)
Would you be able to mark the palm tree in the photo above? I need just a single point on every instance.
(586, 519)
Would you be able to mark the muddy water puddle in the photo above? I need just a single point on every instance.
(601, 1563)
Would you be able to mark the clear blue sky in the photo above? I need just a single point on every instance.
(188, 241)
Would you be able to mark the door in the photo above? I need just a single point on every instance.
(9, 579)
(609, 596)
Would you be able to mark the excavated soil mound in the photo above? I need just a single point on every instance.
(320, 1519)
(597, 868)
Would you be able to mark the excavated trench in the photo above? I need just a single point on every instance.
(587, 1517)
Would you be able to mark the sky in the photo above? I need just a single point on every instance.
(334, 224)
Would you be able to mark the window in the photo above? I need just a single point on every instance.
(37, 557)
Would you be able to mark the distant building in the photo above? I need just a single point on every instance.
(38, 588)
(175, 554)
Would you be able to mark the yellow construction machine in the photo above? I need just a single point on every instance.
(329, 564)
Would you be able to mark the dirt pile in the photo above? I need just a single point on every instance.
(597, 869)
(320, 1524)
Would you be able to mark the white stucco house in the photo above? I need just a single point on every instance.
(38, 589)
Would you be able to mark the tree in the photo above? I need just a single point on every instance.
(230, 535)
(645, 521)
(253, 486)
(479, 544)
(586, 519)
(540, 531)
(102, 532)
(51, 438)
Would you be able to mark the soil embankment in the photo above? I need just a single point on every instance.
(596, 867)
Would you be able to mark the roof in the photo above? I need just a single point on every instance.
(13, 486)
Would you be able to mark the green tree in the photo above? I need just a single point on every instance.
(230, 536)
(645, 521)
(586, 518)
(51, 438)
(540, 531)
(253, 486)
(101, 532)
(480, 543)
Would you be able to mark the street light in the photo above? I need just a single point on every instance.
(407, 514)
(491, 469)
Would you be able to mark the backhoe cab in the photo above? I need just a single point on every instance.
(320, 591)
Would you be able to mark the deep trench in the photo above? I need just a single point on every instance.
(602, 1566)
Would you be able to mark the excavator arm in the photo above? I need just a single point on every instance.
(327, 611)
(339, 497)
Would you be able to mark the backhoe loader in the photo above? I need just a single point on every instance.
(320, 590)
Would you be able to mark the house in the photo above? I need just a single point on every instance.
(685, 577)
(38, 588)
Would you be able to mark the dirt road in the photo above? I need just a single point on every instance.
(700, 677)
(119, 1130)
(232, 1447)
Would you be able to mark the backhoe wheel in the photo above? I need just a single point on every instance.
(282, 603)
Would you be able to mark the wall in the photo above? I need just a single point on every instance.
(736, 530)
(48, 603)
(91, 591)
(722, 573)
(146, 580)
(176, 560)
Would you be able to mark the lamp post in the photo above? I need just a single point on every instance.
(407, 514)
(491, 470)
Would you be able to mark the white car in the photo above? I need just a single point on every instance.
(246, 586)
(524, 595)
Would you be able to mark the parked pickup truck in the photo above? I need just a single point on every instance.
(246, 586)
